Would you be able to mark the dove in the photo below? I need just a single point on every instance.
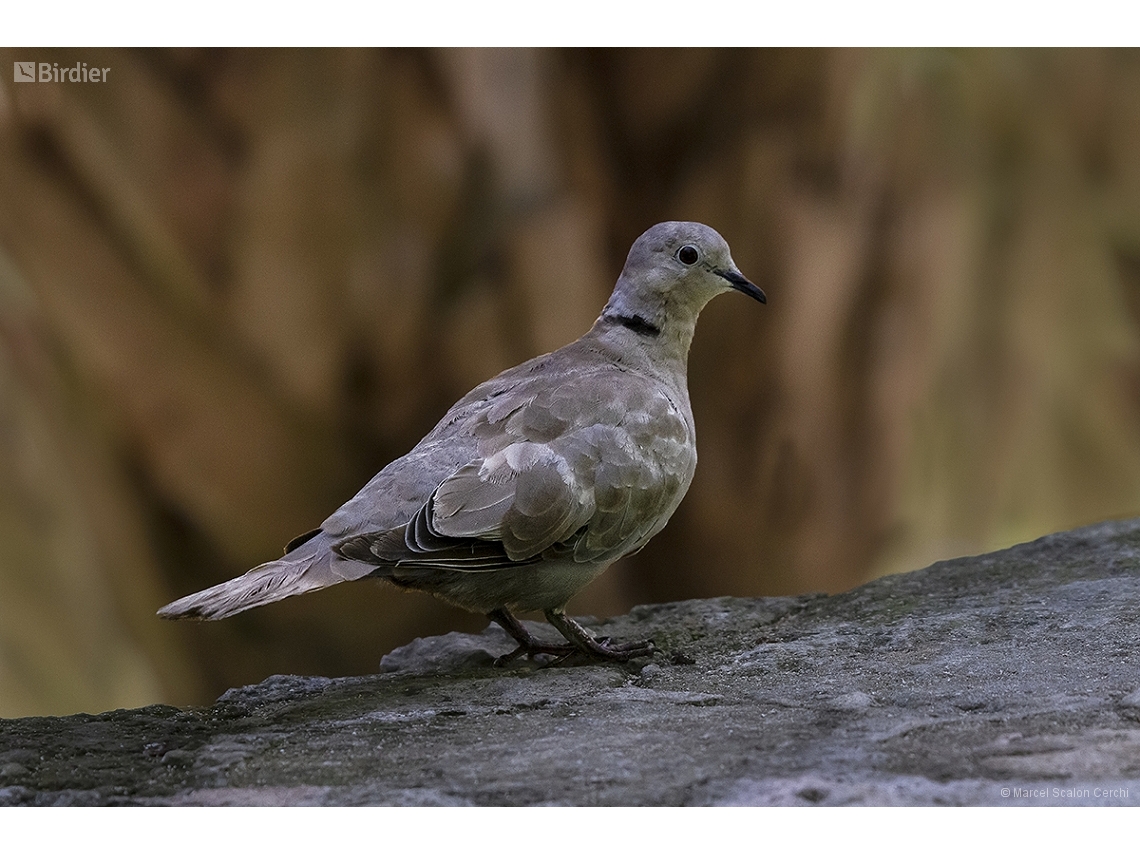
(537, 480)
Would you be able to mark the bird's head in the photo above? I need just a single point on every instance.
(671, 273)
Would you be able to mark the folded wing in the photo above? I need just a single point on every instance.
(593, 491)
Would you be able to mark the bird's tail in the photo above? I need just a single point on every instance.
(309, 568)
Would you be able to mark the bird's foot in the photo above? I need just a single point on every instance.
(560, 652)
(581, 643)
(529, 646)
(606, 649)
(598, 648)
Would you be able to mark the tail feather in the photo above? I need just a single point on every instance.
(266, 583)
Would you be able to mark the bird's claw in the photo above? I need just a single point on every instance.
(603, 651)
(559, 651)
(581, 643)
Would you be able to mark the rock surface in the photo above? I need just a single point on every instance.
(1009, 678)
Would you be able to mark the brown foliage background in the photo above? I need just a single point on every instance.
(234, 284)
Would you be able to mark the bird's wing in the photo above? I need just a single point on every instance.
(592, 468)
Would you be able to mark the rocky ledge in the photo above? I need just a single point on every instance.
(1008, 678)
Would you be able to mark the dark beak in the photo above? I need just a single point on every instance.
(739, 283)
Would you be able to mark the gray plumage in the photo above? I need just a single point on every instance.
(537, 480)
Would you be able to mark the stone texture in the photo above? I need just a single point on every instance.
(1009, 678)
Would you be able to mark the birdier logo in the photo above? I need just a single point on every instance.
(50, 72)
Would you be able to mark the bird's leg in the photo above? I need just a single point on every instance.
(528, 644)
(594, 647)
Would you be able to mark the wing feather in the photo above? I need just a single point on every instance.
(594, 483)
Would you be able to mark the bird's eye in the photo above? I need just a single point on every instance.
(688, 254)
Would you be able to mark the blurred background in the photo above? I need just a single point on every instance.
(235, 283)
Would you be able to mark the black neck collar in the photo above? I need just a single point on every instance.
(636, 323)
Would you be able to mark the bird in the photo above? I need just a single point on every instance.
(537, 480)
